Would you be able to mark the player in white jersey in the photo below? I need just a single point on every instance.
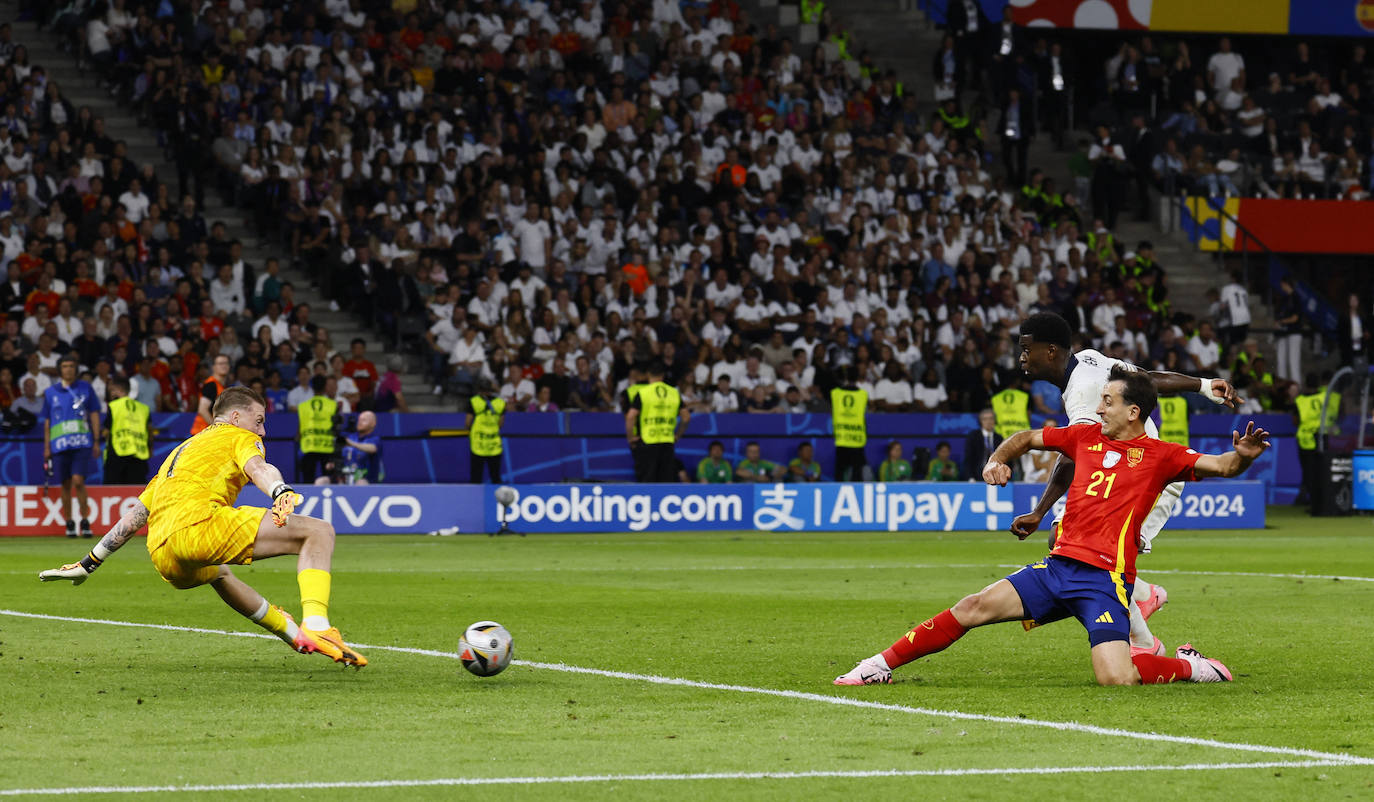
(1046, 355)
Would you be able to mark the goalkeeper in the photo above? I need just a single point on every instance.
(194, 532)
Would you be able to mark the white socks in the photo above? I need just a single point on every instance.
(315, 623)
(1141, 636)
(880, 661)
(257, 617)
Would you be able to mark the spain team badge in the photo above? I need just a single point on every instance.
(1134, 456)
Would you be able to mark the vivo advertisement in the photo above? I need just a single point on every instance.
(913, 506)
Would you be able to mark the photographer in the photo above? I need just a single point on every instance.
(362, 453)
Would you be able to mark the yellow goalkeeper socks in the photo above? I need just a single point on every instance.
(271, 618)
(314, 585)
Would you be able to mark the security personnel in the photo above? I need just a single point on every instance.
(128, 435)
(1173, 420)
(316, 432)
(656, 418)
(1309, 406)
(484, 434)
(1012, 407)
(811, 11)
(848, 408)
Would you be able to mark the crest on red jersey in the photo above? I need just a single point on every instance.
(1110, 459)
(1134, 456)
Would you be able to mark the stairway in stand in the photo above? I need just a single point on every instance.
(81, 89)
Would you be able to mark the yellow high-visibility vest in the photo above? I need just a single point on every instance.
(485, 435)
(658, 412)
(316, 417)
(1012, 408)
(1309, 419)
(129, 427)
(847, 410)
(1173, 420)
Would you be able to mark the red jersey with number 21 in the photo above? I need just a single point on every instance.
(1115, 484)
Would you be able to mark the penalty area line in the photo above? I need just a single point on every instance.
(639, 778)
(843, 701)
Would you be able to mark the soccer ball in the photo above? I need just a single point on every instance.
(485, 648)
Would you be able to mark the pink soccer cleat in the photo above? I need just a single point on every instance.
(866, 672)
(1205, 669)
(1157, 649)
(1150, 605)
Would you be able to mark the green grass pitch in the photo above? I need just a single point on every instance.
(98, 705)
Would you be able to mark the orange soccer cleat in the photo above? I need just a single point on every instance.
(330, 643)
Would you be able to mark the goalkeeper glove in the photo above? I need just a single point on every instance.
(284, 501)
(77, 572)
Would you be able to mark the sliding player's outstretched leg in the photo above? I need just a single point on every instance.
(313, 540)
(998, 602)
(251, 605)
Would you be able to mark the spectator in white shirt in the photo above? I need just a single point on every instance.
(1235, 301)
(723, 399)
(135, 203)
(535, 239)
(1104, 316)
(929, 393)
(1224, 66)
(275, 323)
(893, 392)
(1204, 349)
(716, 331)
(518, 391)
(227, 294)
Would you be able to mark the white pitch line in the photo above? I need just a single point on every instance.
(614, 778)
(843, 701)
(1266, 576)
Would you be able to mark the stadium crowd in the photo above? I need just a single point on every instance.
(544, 197)
(1199, 115)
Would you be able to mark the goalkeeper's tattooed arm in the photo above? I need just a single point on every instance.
(124, 529)
(119, 534)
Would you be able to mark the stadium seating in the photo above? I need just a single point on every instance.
(544, 198)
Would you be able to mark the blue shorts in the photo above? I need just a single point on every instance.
(73, 462)
(1056, 588)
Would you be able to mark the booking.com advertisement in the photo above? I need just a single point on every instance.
(933, 506)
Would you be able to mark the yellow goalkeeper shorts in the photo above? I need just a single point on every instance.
(188, 556)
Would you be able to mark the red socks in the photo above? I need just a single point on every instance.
(925, 638)
(1155, 669)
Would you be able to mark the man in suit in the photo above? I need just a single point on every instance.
(980, 443)
(1355, 333)
(968, 25)
(1141, 152)
(1017, 129)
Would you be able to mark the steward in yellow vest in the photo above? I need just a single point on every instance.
(1012, 408)
(1173, 420)
(652, 426)
(1309, 408)
(484, 435)
(316, 418)
(128, 437)
(848, 410)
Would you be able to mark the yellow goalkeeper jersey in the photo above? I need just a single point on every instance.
(204, 472)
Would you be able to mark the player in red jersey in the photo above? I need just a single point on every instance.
(1089, 573)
